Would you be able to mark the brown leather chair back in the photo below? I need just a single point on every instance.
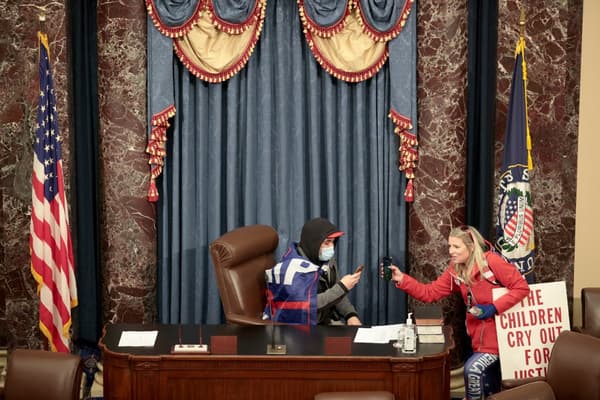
(573, 372)
(590, 310)
(538, 390)
(39, 374)
(240, 258)
(574, 367)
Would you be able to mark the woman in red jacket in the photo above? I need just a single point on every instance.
(474, 270)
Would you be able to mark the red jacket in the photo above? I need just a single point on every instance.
(482, 332)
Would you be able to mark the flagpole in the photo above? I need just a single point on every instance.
(521, 48)
(42, 41)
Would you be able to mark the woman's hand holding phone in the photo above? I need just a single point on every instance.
(389, 272)
(385, 271)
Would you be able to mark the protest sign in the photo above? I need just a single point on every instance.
(527, 331)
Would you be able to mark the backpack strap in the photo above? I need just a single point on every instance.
(488, 273)
(489, 276)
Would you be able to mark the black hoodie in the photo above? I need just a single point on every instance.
(314, 232)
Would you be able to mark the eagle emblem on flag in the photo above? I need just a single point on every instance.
(515, 217)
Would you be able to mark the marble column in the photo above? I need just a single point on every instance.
(128, 219)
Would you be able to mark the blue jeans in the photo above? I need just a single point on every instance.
(482, 375)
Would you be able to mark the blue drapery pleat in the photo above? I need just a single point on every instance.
(326, 13)
(381, 14)
(280, 142)
(234, 11)
(175, 13)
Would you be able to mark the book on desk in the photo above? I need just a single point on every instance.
(429, 322)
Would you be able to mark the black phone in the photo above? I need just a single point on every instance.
(359, 268)
(387, 272)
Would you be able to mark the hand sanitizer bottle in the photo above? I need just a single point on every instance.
(410, 336)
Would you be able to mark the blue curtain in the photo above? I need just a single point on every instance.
(280, 142)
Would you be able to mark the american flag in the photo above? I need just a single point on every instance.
(515, 224)
(50, 240)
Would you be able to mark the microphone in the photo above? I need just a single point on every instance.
(274, 348)
(202, 348)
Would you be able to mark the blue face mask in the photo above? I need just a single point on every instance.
(326, 253)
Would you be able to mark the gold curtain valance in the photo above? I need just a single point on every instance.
(210, 47)
(351, 49)
(350, 54)
(215, 51)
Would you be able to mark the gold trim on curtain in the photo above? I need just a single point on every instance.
(408, 151)
(157, 147)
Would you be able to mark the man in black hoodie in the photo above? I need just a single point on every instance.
(305, 266)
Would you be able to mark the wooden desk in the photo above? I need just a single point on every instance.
(133, 373)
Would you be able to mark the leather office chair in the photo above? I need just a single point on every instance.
(39, 374)
(590, 312)
(573, 373)
(240, 258)
(374, 395)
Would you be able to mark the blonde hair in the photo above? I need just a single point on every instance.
(475, 242)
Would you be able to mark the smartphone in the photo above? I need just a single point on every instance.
(387, 272)
(359, 268)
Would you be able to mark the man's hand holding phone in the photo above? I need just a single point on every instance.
(350, 280)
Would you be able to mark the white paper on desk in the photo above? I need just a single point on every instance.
(138, 338)
(377, 334)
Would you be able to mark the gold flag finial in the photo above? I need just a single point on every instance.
(42, 11)
(42, 18)
(522, 22)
